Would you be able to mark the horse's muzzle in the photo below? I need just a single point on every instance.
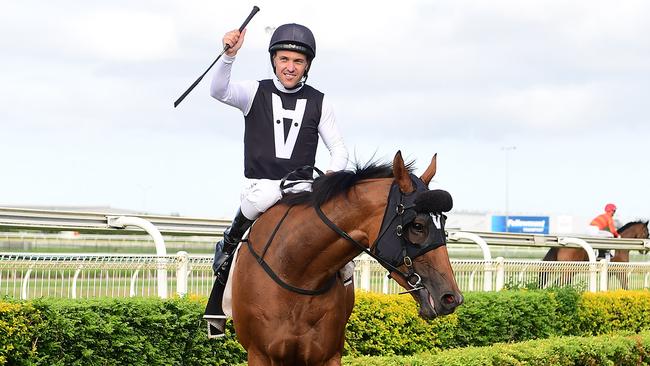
(431, 307)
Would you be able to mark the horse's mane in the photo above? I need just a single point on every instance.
(331, 185)
(629, 224)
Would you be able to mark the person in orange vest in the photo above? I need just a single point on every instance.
(605, 222)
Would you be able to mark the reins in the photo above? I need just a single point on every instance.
(407, 260)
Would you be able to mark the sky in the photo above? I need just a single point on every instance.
(533, 107)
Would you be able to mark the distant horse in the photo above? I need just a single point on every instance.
(634, 229)
(290, 307)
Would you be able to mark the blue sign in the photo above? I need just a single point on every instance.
(520, 224)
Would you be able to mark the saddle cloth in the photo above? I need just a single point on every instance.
(227, 293)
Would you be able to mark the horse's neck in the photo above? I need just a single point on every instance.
(633, 232)
(311, 249)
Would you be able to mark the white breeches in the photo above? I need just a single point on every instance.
(258, 195)
(594, 231)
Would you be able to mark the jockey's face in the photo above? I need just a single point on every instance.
(290, 67)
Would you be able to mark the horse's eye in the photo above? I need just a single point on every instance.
(418, 226)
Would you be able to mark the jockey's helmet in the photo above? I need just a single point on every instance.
(610, 207)
(293, 37)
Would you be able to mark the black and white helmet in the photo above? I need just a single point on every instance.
(293, 37)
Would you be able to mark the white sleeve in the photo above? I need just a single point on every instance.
(237, 94)
(332, 138)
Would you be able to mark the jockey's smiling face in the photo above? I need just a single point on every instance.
(290, 67)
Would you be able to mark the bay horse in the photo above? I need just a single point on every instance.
(289, 306)
(633, 229)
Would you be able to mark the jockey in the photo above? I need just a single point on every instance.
(605, 222)
(283, 119)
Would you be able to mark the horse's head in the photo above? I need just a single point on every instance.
(412, 240)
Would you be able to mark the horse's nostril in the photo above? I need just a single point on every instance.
(448, 299)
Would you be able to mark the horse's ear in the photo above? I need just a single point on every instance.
(401, 174)
(430, 172)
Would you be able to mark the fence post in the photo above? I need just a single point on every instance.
(23, 293)
(488, 269)
(500, 274)
(604, 278)
(74, 282)
(182, 272)
(384, 285)
(471, 281)
(365, 275)
(134, 280)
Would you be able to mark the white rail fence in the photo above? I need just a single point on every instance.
(36, 275)
(28, 276)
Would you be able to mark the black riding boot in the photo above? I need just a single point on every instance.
(226, 246)
(224, 250)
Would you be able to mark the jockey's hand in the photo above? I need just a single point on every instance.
(234, 39)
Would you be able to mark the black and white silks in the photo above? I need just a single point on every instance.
(304, 114)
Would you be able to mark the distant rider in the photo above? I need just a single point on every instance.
(605, 222)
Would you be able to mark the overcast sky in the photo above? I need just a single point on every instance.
(86, 111)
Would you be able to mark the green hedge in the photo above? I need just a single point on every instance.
(620, 350)
(114, 332)
(601, 313)
(171, 332)
(389, 325)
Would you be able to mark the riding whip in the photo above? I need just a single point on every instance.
(225, 48)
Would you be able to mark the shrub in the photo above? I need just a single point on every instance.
(606, 312)
(620, 350)
(387, 325)
(152, 331)
(17, 325)
(128, 332)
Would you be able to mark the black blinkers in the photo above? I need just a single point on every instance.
(392, 244)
